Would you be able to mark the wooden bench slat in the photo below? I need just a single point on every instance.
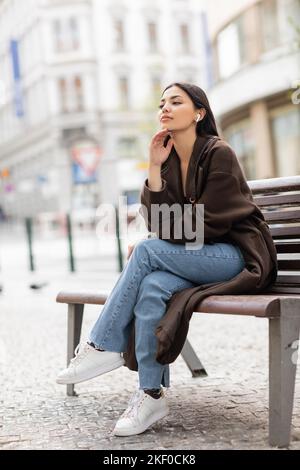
(254, 305)
(285, 231)
(289, 264)
(284, 289)
(279, 216)
(281, 200)
(287, 246)
(288, 183)
(81, 297)
(291, 279)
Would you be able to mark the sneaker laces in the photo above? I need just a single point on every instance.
(134, 404)
(80, 352)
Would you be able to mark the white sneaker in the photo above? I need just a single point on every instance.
(142, 412)
(89, 363)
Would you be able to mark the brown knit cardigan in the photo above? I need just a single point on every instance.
(215, 179)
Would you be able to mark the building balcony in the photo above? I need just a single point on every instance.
(253, 82)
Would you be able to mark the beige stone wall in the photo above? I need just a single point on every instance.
(264, 161)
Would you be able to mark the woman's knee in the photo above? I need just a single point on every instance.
(162, 283)
(140, 245)
(151, 245)
(144, 247)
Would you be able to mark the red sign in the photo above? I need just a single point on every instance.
(87, 155)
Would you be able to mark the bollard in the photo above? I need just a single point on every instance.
(70, 243)
(120, 255)
(28, 224)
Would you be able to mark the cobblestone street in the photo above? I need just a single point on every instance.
(226, 410)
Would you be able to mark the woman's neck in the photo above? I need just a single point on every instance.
(184, 143)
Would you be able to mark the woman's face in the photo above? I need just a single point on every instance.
(176, 109)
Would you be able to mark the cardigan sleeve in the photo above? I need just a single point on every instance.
(226, 199)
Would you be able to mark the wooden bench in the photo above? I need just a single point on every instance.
(279, 199)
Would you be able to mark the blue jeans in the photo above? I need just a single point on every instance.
(156, 270)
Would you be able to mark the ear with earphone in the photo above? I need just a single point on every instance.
(168, 136)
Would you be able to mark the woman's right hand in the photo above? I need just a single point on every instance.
(158, 154)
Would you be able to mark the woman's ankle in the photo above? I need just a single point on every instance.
(94, 346)
(153, 392)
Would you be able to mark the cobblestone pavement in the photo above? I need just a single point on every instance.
(226, 410)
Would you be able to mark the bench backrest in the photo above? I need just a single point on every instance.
(279, 200)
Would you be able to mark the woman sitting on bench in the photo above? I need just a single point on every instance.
(189, 165)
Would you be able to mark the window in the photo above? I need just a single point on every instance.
(228, 41)
(78, 94)
(74, 32)
(127, 148)
(285, 128)
(270, 24)
(156, 89)
(58, 35)
(66, 34)
(290, 20)
(185, 39)
(124, 92)
(279, 22)
(119, 38)
(71, 95)
(231, 48)
(240, 137)
(262, 28)
(62, 84)
(152, 35)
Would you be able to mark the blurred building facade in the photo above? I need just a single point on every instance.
(79, 87)
(255, 91)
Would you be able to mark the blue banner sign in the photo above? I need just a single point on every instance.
(18, 99)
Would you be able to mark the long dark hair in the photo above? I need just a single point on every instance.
(207, 126)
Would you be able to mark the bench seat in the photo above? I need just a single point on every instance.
(264, 305)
